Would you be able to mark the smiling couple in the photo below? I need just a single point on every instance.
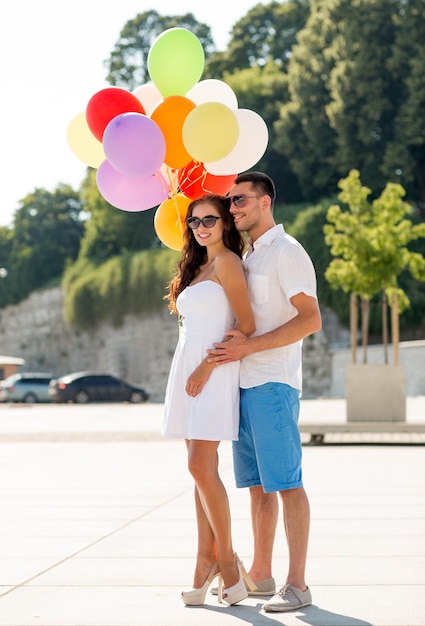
(236, 375)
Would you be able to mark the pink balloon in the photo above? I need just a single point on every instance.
(129, 193)
(149, 96)
(134, 145)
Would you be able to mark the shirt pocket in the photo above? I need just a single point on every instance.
(258, 286)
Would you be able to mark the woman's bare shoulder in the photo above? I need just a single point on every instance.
(228, 257)
(228, 265)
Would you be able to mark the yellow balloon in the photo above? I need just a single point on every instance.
(83, 143)
(169, 221)
(210, 131)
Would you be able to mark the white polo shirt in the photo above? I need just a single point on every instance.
(277, 269)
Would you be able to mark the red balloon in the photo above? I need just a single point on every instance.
(107, 104)
(194, 181)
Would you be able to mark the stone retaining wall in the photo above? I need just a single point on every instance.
(139, 351)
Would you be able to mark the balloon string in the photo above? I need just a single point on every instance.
(179, 221)
(162, 181)
(171, 176)
(188, 181)
(173, 187)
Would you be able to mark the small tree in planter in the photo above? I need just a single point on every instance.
(369, 242)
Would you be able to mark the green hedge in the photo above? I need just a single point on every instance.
(132, 283)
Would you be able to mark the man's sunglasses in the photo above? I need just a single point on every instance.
(208, 221)
(240, 199)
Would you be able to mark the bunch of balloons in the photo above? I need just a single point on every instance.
(170, 140)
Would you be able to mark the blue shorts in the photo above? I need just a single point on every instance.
(269, 451)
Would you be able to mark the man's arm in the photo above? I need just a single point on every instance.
(306, 322)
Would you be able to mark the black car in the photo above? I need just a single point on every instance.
(82, 387)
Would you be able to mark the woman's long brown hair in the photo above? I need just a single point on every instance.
(194, 255)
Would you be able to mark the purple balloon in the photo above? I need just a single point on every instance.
(128, 193)
(134, 145)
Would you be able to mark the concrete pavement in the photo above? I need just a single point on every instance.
(97, 525)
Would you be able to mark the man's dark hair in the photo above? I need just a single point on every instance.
(261, 182)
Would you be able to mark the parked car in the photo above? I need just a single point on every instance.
(82, 387)
(28, 387)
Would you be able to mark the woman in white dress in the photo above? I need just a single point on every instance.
(210, 294)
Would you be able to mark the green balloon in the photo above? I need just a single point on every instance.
(176, 61)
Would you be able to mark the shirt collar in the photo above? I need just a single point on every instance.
(268, 237)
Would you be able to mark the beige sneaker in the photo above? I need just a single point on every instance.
(263, 588)
(289, 598)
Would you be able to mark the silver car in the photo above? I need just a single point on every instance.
(28, 387)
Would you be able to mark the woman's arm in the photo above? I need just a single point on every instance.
(230, 273)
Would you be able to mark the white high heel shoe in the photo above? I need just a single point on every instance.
(196, 597)
(236, 592)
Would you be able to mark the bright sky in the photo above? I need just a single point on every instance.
(51, 63)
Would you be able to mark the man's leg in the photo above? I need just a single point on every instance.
(294, 594)
(296, 514)
(264, 515)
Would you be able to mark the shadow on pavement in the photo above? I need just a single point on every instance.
(311, 615)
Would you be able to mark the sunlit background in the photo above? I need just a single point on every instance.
(51, 63)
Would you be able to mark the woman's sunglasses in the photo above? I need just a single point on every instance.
(208, 221)
(240, 199)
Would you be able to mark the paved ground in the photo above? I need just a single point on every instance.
(97, 525)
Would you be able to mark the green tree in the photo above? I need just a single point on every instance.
(364, 92)
(369, 243)
(265, 34)
(127, 64)
(355, 101)
(405, 153)
(47, 230)
(6, 238)
(303, 133)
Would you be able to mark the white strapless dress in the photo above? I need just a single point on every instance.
(213, 415)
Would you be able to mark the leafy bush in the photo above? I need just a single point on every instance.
(127, 284)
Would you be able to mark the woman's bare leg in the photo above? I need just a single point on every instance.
(207, 548)
(213, 500)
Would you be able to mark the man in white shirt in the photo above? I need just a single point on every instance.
(267, 456)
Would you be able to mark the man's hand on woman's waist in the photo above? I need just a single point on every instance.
(235, 349)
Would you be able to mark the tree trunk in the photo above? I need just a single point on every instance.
(354, 322)
(395, 327)
(385, 326)
(365, 327)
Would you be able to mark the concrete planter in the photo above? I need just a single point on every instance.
(375, 393)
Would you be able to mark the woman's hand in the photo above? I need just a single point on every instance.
(198, 378)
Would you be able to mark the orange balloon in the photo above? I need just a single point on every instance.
(170, 115)
(169, 221)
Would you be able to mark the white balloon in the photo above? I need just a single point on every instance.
(149, 96)
(213, 90)
(249, 148)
